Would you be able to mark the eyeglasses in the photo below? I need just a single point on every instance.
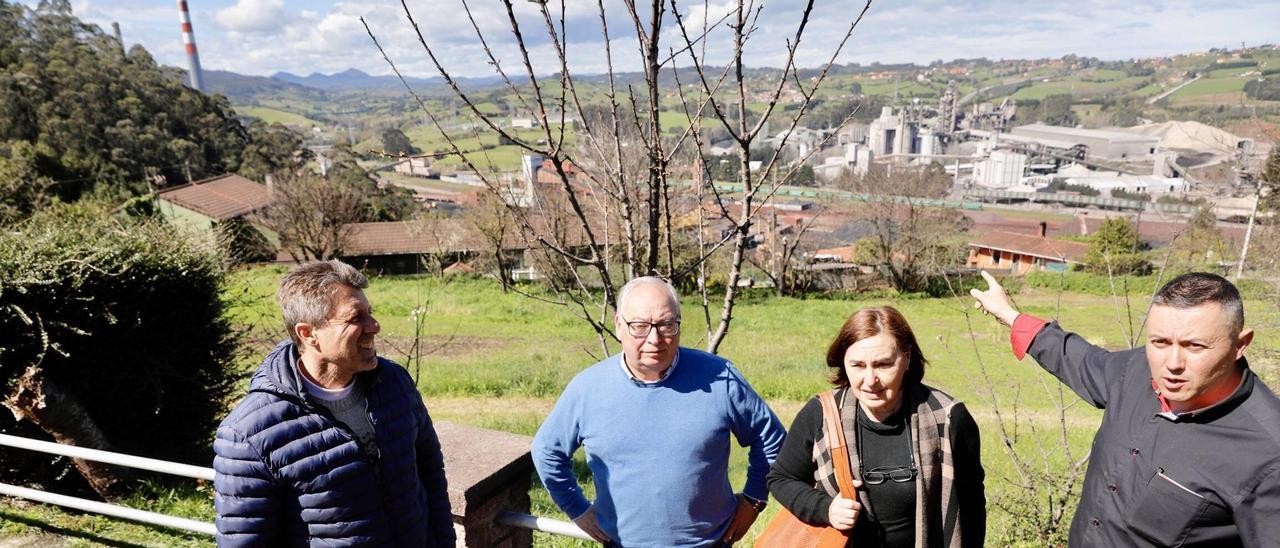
(878, 475)
(899, 474)
(641, 330)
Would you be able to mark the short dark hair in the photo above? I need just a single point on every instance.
(1196, 288)
(867, 323)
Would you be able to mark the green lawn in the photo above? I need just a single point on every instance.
(499, 360)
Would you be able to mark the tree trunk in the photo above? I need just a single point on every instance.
(60, 414)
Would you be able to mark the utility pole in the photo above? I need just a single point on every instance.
(1248, 232)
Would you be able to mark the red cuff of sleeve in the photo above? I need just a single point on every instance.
(1025, 328)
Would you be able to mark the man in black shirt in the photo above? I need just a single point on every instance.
(1188, 453)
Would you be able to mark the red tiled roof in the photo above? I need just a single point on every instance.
(220, 198)
(456, 235)
(1072, 252)
(844, 253)
(412, 237)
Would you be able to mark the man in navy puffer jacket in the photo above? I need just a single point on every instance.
(333, 445)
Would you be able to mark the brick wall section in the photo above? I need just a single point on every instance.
(488, 473)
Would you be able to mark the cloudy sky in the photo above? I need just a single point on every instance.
(264, 36)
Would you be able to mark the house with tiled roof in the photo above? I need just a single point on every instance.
(398, 247)
(205, 203)
(1022, 253)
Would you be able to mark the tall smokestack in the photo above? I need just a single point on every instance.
(115, 28)
(189, 40)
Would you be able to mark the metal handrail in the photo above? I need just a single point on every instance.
(120, 459)
(113, 510)
(546, 525)
(107, 509)
(508, 518)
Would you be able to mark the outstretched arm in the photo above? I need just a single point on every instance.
(1088, 370)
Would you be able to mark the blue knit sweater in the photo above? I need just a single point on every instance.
(659, 453)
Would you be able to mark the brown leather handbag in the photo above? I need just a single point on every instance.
(785, 530)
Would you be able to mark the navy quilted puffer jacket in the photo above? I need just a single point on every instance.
(289, 474)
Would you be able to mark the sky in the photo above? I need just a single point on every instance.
(261, 37)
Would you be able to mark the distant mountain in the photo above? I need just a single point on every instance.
(242, 87)
(355, 79)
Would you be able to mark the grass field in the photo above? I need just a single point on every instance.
(500, 360)
(271, 116)
(1211, 86)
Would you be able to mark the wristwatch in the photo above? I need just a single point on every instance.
(757, 504)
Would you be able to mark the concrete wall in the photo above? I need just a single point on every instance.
(488, 473)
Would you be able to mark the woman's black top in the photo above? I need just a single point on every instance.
(892, 519)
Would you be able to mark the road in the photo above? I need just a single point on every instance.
(1153, 100)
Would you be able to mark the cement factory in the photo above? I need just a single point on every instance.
(993, 160)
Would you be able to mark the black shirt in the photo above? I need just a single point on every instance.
(886, 445)
(1206, 478)
(792, 482)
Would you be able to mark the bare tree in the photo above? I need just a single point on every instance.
(1047, 474)
(311, 215)
(777, 256)
(911, 238)
(624, 160)
(490, 219)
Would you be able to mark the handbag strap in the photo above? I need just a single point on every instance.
(836, 445)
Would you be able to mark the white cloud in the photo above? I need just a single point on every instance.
(252, 16)
(303, 36)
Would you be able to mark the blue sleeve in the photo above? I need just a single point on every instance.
(431, 473)
(755, 426)
(246, 499)
(553, 448)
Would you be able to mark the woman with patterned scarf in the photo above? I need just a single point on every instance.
(913, 450)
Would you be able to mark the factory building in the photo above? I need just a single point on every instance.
(1003, 169)
(898, 133)
(1100, 144)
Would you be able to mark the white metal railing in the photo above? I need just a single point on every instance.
(508, 518)
(546, 525)
(119, 459)
(113, 510)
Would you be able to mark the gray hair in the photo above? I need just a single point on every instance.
(1196, 288)
(648, 280)
(305, 292)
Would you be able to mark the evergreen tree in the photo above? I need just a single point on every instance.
(396, 142)
(83, 118)
(1115, 249)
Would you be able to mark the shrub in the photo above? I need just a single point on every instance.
(1093, 284)
(126, 319)
(1116, 249)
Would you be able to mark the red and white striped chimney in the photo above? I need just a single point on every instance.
(189, 40)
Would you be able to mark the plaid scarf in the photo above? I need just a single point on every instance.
(937, 509)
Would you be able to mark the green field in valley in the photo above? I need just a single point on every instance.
(272, 116)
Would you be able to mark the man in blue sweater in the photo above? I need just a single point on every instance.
(655, 421)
